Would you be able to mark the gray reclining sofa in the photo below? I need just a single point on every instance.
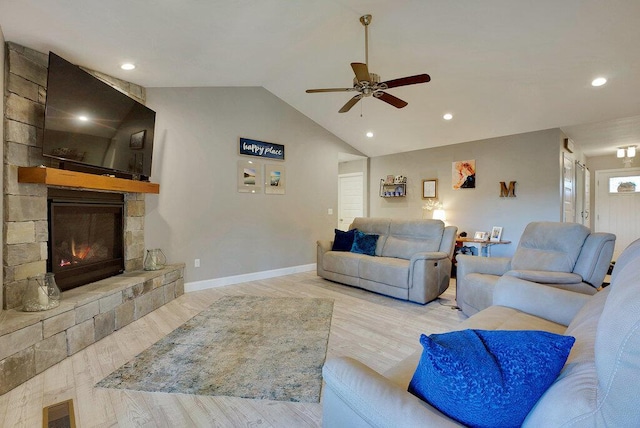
(412, 259)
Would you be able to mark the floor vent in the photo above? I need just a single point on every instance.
(59, 415)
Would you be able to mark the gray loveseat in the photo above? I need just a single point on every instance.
(597, 387)
(412, 259)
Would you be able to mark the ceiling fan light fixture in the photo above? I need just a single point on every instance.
(631, 151)
(368, 84)
(620, 153)
(447, 116)
(598, 81)
(369, 134)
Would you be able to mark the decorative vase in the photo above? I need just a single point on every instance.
(42, 293)
(155, 259)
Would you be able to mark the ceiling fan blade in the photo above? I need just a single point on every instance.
(353, 101)
(362, 71)
(390, 99)
(313, 91)
(410, 80)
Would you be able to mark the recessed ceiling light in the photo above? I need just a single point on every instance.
(127, 66)
(83, 118)
(447, 116)
(370, 134)
(598, 81)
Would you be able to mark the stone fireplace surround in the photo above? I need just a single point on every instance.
(32, 342)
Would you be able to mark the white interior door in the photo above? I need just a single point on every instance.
(582, 195)
(350, 198)
(568, 189)
(618, 205)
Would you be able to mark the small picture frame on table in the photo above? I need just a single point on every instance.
(496, 234)
(480, 236)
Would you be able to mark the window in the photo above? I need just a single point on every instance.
(624, 184)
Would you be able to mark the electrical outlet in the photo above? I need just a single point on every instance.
(196, 263)
(330, 211)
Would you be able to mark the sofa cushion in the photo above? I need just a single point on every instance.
(377, 226)
(343, 241)
(385, 270)
(549, 246)
(408, 237)
(364, 243)
(344, 263)
(488, 378)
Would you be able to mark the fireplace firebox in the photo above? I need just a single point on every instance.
(85, 236)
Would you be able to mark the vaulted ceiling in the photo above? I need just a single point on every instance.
(500, 67)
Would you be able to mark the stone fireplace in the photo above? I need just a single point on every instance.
(26, 226)
(85, 236)
(31, 342)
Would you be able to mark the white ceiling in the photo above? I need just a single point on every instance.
(500, 66)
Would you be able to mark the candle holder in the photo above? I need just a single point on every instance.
(42, 293)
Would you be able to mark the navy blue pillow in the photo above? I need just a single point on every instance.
(364, 243)
(343, 241)
(488, 378)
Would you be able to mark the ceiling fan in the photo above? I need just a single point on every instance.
(368, 84)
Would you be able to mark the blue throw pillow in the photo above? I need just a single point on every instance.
(343, 241)
(487, 378)
(364, 243)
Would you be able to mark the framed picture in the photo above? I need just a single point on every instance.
(137, 140)
(261, 149)
(463, 174)
(430, 188)
(249, 176)
(496, 234)
(482, 236)
(274, 179)
(389, 179)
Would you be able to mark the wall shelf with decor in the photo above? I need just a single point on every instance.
(392, 190)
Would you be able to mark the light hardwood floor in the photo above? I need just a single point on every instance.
(374, 329)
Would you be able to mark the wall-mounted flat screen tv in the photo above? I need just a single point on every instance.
(88, 122)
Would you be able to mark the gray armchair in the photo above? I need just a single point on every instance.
(561, 255)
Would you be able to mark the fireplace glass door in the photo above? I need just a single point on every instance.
(85, 240)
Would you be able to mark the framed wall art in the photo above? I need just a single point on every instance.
(430, 188)
(249, 176)
(275, 179)
(496, 234)
(463, 174)
(137, 140)
(261, 149)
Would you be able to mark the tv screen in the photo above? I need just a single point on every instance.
(88, 122)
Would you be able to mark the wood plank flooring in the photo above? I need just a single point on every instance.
(374, 329)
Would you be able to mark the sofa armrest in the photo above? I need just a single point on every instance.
(325, 245)
(428, 255)
(550, 303)
(546, 277)
(357, 396)
(485, 265)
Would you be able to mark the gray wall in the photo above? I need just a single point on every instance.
(200, 214)
(533, 160)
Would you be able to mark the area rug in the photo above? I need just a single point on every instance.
(241, 346)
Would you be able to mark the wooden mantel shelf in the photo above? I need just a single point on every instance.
(81, 180)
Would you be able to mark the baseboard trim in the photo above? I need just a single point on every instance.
(255, 276)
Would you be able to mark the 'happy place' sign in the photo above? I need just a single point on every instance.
(261, 149)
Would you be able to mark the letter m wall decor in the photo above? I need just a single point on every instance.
(508, 192)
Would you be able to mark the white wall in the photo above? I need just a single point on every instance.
(199, 212)
(531, 159)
